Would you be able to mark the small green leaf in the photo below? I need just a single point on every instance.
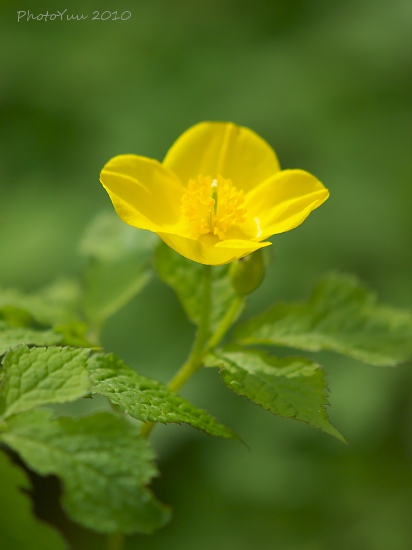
(12, 336)
(146, 399)
(19, 528)
(74, 334)
(15, 316)
(103, 463)
(119, 267)
(56, 303)
(341, 315)
(111, 285)
(37, 376)
(185, 278)
(292, 387)
(107, 238)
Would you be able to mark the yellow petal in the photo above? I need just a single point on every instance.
(283, 202)
(207, 251)
(144, 193)
(222, 148)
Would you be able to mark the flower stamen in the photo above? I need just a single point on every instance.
(212, 206)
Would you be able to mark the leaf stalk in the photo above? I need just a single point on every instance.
(201, 345)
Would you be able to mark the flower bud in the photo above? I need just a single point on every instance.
(247, 274)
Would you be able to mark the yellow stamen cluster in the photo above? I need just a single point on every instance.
(212, 205)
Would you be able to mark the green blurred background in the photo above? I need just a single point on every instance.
(328, 85)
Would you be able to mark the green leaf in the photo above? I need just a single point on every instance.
(103, 463)
(146, 399)
(19, 528)
(341, 315)
(12, 336)
(119, 267)
(292, 387)
(56, 303)
(74, 334)
(185, 278)
(108, 238)
(15, 316)
(111, 285)
(37, 376)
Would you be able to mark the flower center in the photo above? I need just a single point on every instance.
(212, 206)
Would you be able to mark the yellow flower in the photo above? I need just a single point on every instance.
(218, 194)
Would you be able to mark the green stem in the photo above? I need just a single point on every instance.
(225, 324)
(182, 375)
(194, 361)
(115, 541)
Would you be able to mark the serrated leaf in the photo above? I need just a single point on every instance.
(104, 465)
(56, 303)
(38, 376)
(12, 336)
(118, 268)
(146, 399)
(292, 387)
(185, 278)
(341, 315)
(19, 528)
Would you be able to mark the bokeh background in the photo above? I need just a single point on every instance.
(328, 85)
